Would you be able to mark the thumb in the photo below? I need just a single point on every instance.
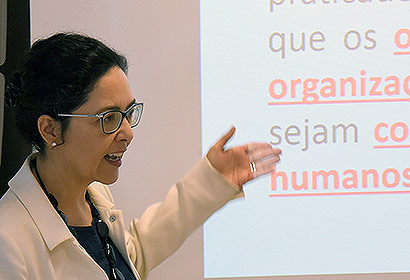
(224, 139)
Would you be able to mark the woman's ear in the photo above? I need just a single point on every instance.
(49, 129)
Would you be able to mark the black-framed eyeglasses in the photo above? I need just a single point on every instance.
(111, 120)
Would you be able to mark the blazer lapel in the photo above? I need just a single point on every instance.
(113, 219)
(51, 227)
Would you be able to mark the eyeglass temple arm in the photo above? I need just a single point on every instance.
(140, 105)
(75, 115)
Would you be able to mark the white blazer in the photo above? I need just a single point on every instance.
(36, 244)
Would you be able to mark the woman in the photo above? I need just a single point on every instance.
(58, 220)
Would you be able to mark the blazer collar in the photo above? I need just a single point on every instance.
(100, 197)
(51, 227)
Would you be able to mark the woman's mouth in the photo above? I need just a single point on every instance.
(114, 159)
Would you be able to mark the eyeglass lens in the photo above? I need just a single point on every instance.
(112, 120)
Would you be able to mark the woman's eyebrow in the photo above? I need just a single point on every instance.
(105, 109)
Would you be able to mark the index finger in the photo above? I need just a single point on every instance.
(259, 151)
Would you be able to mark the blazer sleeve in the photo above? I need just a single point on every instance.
(164, 226)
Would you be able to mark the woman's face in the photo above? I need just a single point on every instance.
(88, 153)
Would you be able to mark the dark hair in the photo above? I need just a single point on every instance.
(56, 76)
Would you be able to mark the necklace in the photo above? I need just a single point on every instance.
(102, 228)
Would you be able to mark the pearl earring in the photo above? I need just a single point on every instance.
(54, 144)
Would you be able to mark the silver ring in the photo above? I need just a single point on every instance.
(253, 166)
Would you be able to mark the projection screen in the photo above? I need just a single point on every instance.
(328, 82)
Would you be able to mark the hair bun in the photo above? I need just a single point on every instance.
(11, 95)
(13, 90)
